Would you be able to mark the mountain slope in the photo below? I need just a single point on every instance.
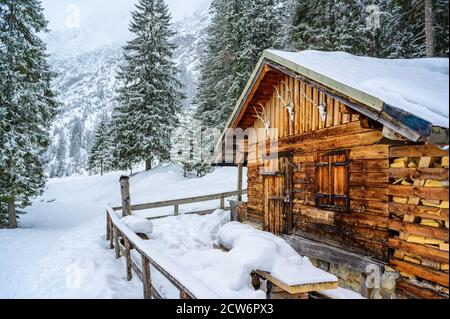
(86, 87)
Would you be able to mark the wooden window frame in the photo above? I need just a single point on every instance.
(332, 196)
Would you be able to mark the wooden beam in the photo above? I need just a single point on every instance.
(331, 254)
(298, 289)
(430, 193)
(440, 174)
(183, 201)
(254, 88)
(420, 230)
(413, 291)
(417, 151)
(420, 271)
(370, 152)
(316, 215)
(420, 250)
(420, 211)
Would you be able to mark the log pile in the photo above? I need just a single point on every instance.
(419, 207)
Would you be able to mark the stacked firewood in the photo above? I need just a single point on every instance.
(419, 213)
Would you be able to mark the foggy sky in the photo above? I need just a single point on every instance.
(110, 10)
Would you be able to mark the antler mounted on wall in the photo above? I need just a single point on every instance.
(263, 117)
(322, 106)
(288, 105)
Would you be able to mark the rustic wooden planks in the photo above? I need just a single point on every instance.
(419, 212)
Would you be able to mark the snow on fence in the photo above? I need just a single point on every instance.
(188, 285)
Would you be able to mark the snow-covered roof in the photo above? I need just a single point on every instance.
(409, 90)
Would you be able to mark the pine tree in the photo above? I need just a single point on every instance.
(236, 37)
(183, 140)
(149, 94)
(27, 104)
(331, 25)
(339, 25)
(75, 143)
(408, 34)
(100, 155)
(60, 156)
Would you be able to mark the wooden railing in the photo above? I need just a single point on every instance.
(124, 241)
(176, 203)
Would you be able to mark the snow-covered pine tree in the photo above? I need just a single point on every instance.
(183, 140)
(75, 143)
(59, 168)
(236, 37)
(149, 96)
(100, 155)
(338, 25)
(27, 104)
(408, 33)
(330, 25)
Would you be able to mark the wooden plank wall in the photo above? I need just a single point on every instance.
(364, 228)
(419, 210)
(307, 116)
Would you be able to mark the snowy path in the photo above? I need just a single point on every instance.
(60, 251)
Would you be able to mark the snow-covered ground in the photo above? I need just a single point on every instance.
(60, 251)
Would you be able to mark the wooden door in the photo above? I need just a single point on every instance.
(274, 204)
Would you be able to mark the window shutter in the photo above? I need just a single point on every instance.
(331, 191)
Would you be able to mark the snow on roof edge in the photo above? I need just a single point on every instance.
(375, 82)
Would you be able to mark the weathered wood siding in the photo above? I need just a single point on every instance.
(307, 117)
(364, 227)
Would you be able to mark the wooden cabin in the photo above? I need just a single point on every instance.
(349, 164)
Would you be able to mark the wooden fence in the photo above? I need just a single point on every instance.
(123, 241)
(176, 203)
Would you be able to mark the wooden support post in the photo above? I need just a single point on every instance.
(108, 228)
(126, 199)
(222, 202)
(288, 203)
(146, 278)
(184, 295)
(116, 242)
(176, 209)
(128, 259)
(240, 169)
(111, 234)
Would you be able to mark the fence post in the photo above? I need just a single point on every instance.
(146, 278)
(239, 195)
(222, 202)
(116, 242)
(128, 258)
(108, 228)
(176, 209)
(126, 199)
(184, 295)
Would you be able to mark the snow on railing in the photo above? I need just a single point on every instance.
(188, 285)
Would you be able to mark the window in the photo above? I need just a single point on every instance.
(331, 192)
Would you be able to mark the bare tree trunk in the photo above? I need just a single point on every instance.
(101, 168)
(12, 214)
(148, 164)
(429, 22)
